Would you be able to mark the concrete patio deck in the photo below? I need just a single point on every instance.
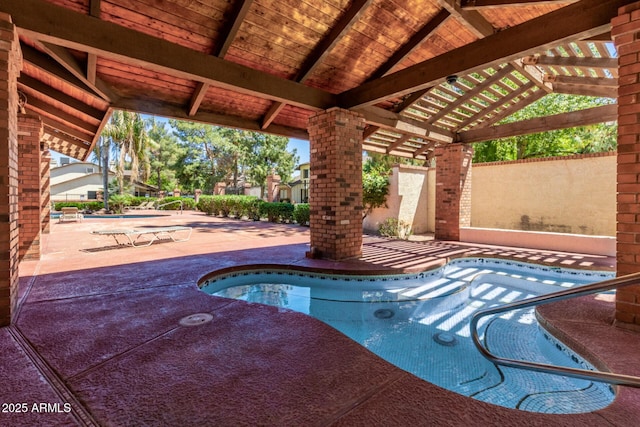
(98, 341)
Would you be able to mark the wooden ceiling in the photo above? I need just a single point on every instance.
(269, 64)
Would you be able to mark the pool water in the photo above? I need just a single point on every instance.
(420, 323)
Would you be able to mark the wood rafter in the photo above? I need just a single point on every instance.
(322, 49)
(63, 116)
(571, 61)
(84, 33)
(62, 127)
(599, 91)
(385, 119)
(64, 58)
(590, 116)
(398, 143)
(523, 101)
(583, 81)
(578, 20)
(92, 58)
(240, 10)
(487, 4)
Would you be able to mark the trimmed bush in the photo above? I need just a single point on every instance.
(277, 211)
(301, 213)
(83, 206)
(231, 205)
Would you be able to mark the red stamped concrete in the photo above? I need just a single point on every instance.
(98, 328)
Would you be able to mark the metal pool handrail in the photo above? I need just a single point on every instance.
(605, 285)
(171, 203)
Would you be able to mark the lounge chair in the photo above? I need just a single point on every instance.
(70, 214)
(146, 236)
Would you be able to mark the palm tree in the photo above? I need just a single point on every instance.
(126, 137)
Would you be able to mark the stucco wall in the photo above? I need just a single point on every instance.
(574, 194)
(411, 198)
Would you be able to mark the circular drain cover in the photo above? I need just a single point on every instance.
(444, 338)
(384, 313)
(196, 319)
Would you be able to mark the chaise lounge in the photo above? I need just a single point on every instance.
(70, 214)
(146, 236)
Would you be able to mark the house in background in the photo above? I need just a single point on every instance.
(78, 181)
(300, 186)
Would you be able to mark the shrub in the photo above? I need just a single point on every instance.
(91, 206)
(237, 206)
(391, 227)
(187, 203)
(301, 213)
(117, 202)
(277, 211)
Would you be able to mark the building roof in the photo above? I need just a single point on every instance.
(270, 64)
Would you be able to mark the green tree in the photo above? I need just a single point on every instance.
(262, 154)
(583, 139)
(126, 137)
(163, 155)
(375, 182)
(207, 156)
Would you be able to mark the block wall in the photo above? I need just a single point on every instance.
(626, 36)
(29, 158)
(335, 188)
(453, 190)
(10, 65)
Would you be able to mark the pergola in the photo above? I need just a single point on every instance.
(414, 78)
(269, 65)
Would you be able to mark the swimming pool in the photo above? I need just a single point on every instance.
(420, 323)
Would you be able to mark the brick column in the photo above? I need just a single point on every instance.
(10, 65)
(626, 35)
(335, 197)
(45, 189)
(273, 188)
(219, 188)
(453, 190)
(29, 135)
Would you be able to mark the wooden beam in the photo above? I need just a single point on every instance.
(472, 20)
(64, 58)
(607, 113)
(46, 90)
(416, 40)
(240, 10)
(598, 91)
(92, 58)
(571, 61)
(96, 137)
(576, 21)
(77, 31)
(398, 143)
(321, 50)
(489, 4)
(423, 149)
(393, 121)
(58, 125)
(410, 99)
(45, 64)
(178, 112)
(63, 116)
(584, 81)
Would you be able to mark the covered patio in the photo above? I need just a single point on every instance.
(423, 79)
(99, 329)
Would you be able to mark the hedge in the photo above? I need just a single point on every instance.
(277, 211)
(301, 213)
(251, 207)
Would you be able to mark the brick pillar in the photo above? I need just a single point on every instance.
(626, 35)
(273, 188)
(335, 197)
(198, 194)
(29, 204)
(45, 189)
(453, 190)
(10, 65)
(219, 188)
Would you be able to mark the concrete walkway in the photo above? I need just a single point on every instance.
(98, 338)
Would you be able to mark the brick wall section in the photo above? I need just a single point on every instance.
(29, 135)
(335, 196)
(626, 35)
(453, 190)
(45, 189)
(10, 64)
(273, 188)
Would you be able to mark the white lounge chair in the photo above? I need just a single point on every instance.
(146, 236)
(70, 214)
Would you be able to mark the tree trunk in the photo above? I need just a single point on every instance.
(105, 174)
